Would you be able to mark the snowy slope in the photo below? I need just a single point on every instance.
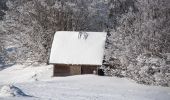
(79, 87)
(21, 73)
(71, 48)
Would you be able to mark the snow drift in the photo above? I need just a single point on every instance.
(11, 91)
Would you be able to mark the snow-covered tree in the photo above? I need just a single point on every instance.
(141, 29)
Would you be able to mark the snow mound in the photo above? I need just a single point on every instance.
(11, 91)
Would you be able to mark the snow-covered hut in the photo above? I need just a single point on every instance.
(77, 52)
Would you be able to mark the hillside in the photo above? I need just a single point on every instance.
(138, 33)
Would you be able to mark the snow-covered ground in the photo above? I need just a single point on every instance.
(37, 84)
(21, 73)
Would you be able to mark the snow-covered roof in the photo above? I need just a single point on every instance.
(71, 47)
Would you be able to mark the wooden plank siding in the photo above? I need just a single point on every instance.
(61, 70)
(88, 69)
(66, 70)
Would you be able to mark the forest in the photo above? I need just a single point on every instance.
(138, 33)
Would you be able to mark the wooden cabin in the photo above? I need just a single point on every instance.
(74, 53)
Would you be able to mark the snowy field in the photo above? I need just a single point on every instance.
(37, 84)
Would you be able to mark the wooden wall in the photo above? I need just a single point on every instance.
(61, 70)
(66, 70)
(88, 69)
